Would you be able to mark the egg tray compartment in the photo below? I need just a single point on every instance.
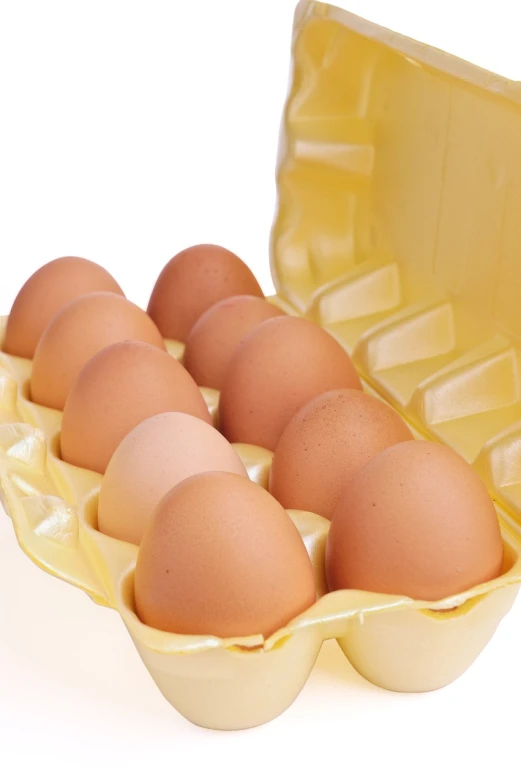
(392, 641)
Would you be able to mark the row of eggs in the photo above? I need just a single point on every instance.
(217, 553)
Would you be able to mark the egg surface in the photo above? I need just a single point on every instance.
(325, 442)
(281, 365)
(221, 557)
(217, 334)
(415, 521)
(77, 332)
(194, 280)
(45, 293)
(152, 459)
(117, 389)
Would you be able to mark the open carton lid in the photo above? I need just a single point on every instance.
(398, 229)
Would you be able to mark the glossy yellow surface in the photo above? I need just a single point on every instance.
(230, 684)
(399, 180)
(398, 230)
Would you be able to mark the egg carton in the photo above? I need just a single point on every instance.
(399, 167)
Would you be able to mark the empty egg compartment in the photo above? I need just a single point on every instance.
(398, 182)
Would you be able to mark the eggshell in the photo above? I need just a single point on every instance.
(215, 337)
(117, 389)
(45, 293)
(221, 557)
(325, 442)
(152, 459)
(281, 365)
(193, 281)
(415, 521)
(77, 332)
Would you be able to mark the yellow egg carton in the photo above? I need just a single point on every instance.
(397, 230)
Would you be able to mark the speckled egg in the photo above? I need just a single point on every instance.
(117, 389)
(77, 332)
(193, 281)
(221, 557)
(417, 521)
(281, 365)
(325, 442)
(219, 332)
(45, 293)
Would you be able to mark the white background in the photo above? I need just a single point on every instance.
(129, 130)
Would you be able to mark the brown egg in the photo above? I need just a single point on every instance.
(281, 365)
(325, 442)
(214, 338)
(117, 389)
(45, 293)
(77, 332)
(193, 281)
(221, 557)
(415, 521)
(152, 459)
